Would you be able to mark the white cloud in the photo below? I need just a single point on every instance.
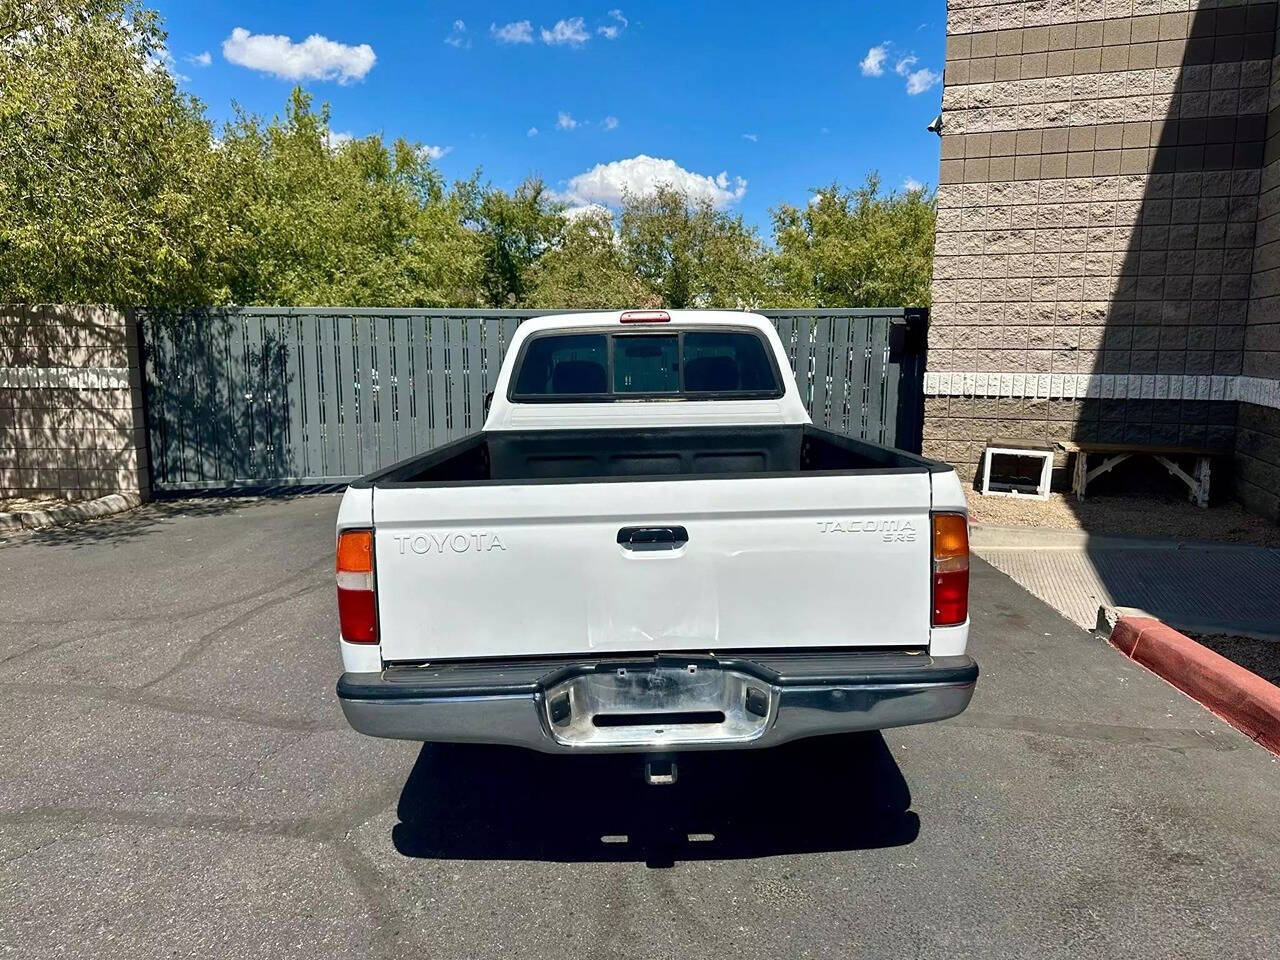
(609, 123)
(316, 58)
(873, 63)
(753, 137)
(607, 183)
(199, 59)
(337, 139)
(458, 36)
(519, 31)
(585, 209)
(911, 184)
(565, 122)
(432, 152)
(533, 132)
(572, 31)
(919, 81)
(610, 31)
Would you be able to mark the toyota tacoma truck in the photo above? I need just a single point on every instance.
(649, 547)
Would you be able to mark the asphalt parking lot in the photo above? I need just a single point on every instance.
(178, 781)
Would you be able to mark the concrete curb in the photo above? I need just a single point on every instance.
(72, 512)
(1243, 699)
(1109, 616)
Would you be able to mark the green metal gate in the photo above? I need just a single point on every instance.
(267, 396)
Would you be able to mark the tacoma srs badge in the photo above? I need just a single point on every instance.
(890, 530)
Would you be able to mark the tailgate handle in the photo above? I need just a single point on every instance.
(653, 538)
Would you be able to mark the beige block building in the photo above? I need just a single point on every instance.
(1108, 250)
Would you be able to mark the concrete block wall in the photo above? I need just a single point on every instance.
(71, 419)
(1098, 201)
(1257, 453)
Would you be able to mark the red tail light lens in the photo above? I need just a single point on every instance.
(357, 601)
(950, 569)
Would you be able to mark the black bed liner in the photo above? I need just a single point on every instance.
(666, 453)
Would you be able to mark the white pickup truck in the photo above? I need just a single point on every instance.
(649, 547)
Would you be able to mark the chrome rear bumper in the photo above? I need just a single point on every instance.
(657, 703)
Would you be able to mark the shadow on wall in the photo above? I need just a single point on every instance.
(219, 396)
(70, 416)
(1178, 310)
(499, 803)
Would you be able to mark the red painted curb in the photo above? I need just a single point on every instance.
(1243, 699)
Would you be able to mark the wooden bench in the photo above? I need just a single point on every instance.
(1116, 453)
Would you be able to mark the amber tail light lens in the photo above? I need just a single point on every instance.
(950, 569)
(357, 600)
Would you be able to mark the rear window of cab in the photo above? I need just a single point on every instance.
(701, 364)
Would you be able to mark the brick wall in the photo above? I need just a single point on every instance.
(1098, 203)
(71, 420)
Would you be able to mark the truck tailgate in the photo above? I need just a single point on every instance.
(502, 570)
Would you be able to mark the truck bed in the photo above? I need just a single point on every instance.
(643, 550)
(517, 456)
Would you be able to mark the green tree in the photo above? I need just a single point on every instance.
(113, 188)
(102, 161)
(585, 269)
(516, 229)
(313, 221)
(689, 254)
(854, 248)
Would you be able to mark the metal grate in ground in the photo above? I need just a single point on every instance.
(1202, 588)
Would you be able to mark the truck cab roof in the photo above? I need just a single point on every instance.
(645, 368)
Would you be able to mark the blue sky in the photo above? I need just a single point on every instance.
(779, 98)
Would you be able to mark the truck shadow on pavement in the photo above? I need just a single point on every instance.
(496, 803)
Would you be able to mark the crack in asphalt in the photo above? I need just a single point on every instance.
(333, 831)
(1171, 738)
(209, 822)
(202, 643)
(389, 937)
(56, 644)
(187, 614)
(181, 706)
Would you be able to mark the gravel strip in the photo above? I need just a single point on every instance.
(1160, 518)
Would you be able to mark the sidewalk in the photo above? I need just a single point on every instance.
(1194, 586)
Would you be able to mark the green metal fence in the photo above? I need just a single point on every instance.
(262, 396)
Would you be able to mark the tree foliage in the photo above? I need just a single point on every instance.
(688, 254)
(102, 161)
(855, 248)
(585, 268)
(312, 222)
(115, 188)
(516, 230)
